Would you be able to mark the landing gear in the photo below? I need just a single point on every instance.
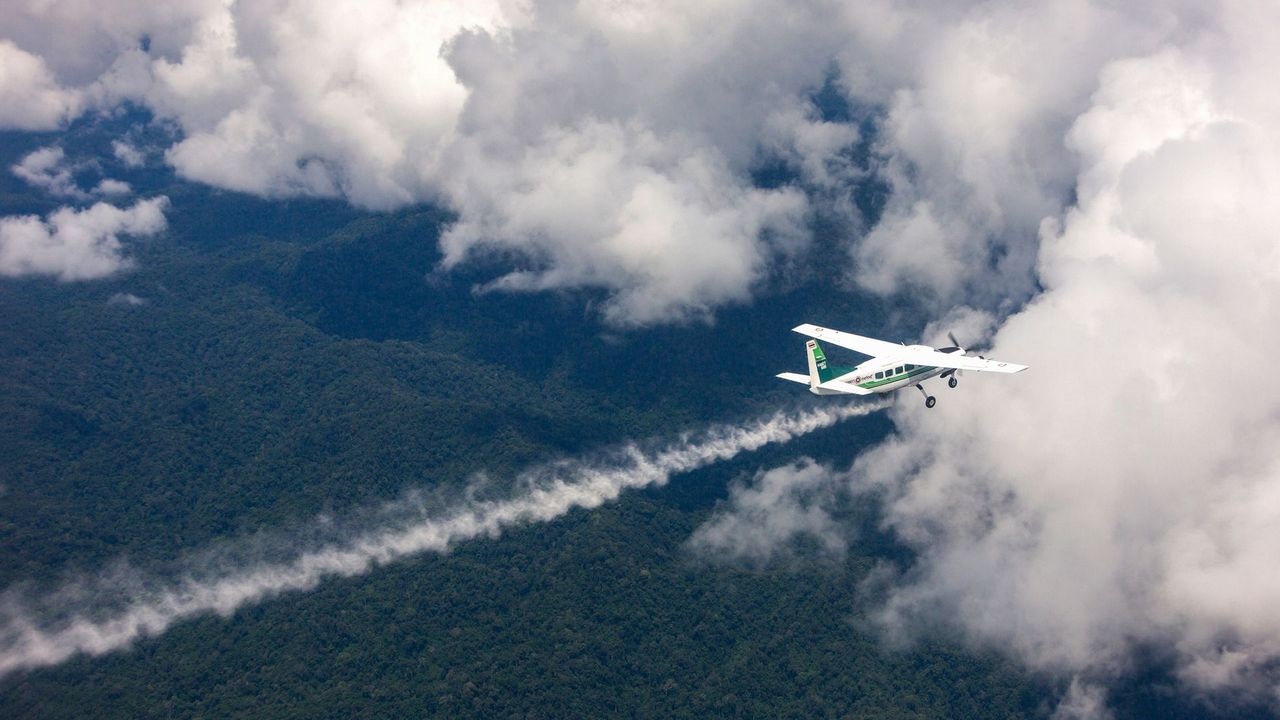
(952, 382)
(929, 400)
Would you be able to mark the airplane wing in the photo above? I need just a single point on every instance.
(914, 355)
(960, 362)
(857, 343)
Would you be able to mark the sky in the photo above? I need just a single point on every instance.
(1084, 187)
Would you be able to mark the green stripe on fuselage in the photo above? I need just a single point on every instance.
(918, 370)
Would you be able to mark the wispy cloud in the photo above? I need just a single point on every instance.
(48, 169)
(762, 517)
(110, 614)
(128, 154)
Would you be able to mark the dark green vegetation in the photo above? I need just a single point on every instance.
(297, 358)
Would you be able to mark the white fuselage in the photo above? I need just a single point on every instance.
(883, 375)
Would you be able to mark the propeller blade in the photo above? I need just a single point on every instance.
(952, 337)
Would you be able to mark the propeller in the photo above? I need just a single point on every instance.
(955, 347)
(955, 344)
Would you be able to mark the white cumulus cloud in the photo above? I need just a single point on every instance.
(493, 108)
(73, 244)
(30, 96)
(1126, 489)
(662, 222)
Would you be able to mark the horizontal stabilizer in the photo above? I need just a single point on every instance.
(795, 377)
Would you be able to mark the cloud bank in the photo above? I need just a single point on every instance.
(591, 145)
(73, 244)
(1125, 492)
(611, 145)
(1128, 489)
(50, 630)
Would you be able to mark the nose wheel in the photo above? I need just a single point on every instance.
(929, 400)
(952, 382)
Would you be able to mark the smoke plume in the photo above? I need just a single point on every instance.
(113, 614)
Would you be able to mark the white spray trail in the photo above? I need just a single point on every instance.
(544, 493)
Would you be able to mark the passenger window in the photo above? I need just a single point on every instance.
(897, 371)
(879, 376)
(910, 368)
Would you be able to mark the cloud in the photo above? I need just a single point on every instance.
(764, 517)
(30, 97)
(75, 244)
(492, 109)
(126, 300)
(123, 606)
(46, 169)
(1083, 701)
(501, 110)
(285, 99)
(662, 223)
(128, 154)
(110, 187)
(978, 96)
(601, 154)
(1125, 490)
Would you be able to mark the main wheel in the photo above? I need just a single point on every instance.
(930, 401)
(952, 382)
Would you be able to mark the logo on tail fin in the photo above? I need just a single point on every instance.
(818, 355)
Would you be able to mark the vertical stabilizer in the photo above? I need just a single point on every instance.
(820, 370)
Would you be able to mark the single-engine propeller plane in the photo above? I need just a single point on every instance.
(891, 366)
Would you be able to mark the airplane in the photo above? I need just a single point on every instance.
(891, 367)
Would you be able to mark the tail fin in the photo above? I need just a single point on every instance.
(820, 370)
